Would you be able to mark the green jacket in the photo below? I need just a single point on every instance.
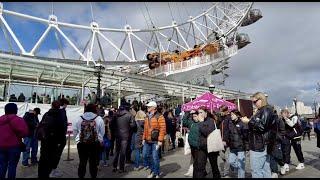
(194, 133)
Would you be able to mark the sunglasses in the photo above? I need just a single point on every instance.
(255, 101)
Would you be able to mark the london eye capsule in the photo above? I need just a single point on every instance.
(242, 40)
(253, 16)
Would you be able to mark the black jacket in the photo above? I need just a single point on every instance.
(55, 126)
(235, 134)
(124, 123)
(281, 132)
(205, 127)
(260, 126)
(32, 122)
(64, 118)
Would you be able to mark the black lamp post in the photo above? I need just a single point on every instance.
(98, 67)
(295, 105)
(211, 88)
(315, 109)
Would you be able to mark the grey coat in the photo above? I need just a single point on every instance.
(124, 123)
(139, 134)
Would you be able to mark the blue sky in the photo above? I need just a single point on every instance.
(282, 60)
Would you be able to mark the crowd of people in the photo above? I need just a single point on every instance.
(145, 130)
(135, 127)
(267, 136)
(42, 99)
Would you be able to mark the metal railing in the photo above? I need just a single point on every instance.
(193, 63)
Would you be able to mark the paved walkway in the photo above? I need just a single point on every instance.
(174, 164)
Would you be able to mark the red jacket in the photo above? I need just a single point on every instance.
(12, 129)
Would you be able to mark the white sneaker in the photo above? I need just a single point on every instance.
(55, 173)
(157, 176)
(282, 170)
(190, 171)
(150, 175)
(300, 166)
(286, 167)
(274, 175)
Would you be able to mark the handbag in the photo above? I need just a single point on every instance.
(214, 140)
(187, 149)
(154, 132)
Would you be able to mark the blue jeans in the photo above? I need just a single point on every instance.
(238, 161)
(9, 159)
(137, 158)
(146, 156)
(31, 143)
(150, 149)
(260, 164)
(103, 155)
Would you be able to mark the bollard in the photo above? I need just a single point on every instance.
(68, 156)
(69, 139)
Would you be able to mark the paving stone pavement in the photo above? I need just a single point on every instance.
(174, 164)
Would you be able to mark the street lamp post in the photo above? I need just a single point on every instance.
(315, 108)
(97, 73)
(295, 105)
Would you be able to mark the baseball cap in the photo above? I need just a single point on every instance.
(152, 104)
(37, 110)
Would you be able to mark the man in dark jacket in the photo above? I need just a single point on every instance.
(277, 156)
(124, 122)
(21, 98)
(236, 139)
(63, 115)
(55, 135)
(31, 142)
(224, 118)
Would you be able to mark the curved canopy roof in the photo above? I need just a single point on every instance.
(51, 72)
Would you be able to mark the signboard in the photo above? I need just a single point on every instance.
(70, 130)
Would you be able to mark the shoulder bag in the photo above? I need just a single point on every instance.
(214, 140)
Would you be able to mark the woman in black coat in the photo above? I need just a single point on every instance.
(206, 126)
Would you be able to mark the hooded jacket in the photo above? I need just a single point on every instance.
(55, 125)
(125, 124)
(87, 116)
(32, 122)
(236, 135)
(12, 129)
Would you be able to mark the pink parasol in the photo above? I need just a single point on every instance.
(208, 100)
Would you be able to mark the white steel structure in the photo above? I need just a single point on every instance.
(219, 22)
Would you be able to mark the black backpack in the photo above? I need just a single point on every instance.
(42, 131)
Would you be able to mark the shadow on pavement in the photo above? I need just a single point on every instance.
(170, 168)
